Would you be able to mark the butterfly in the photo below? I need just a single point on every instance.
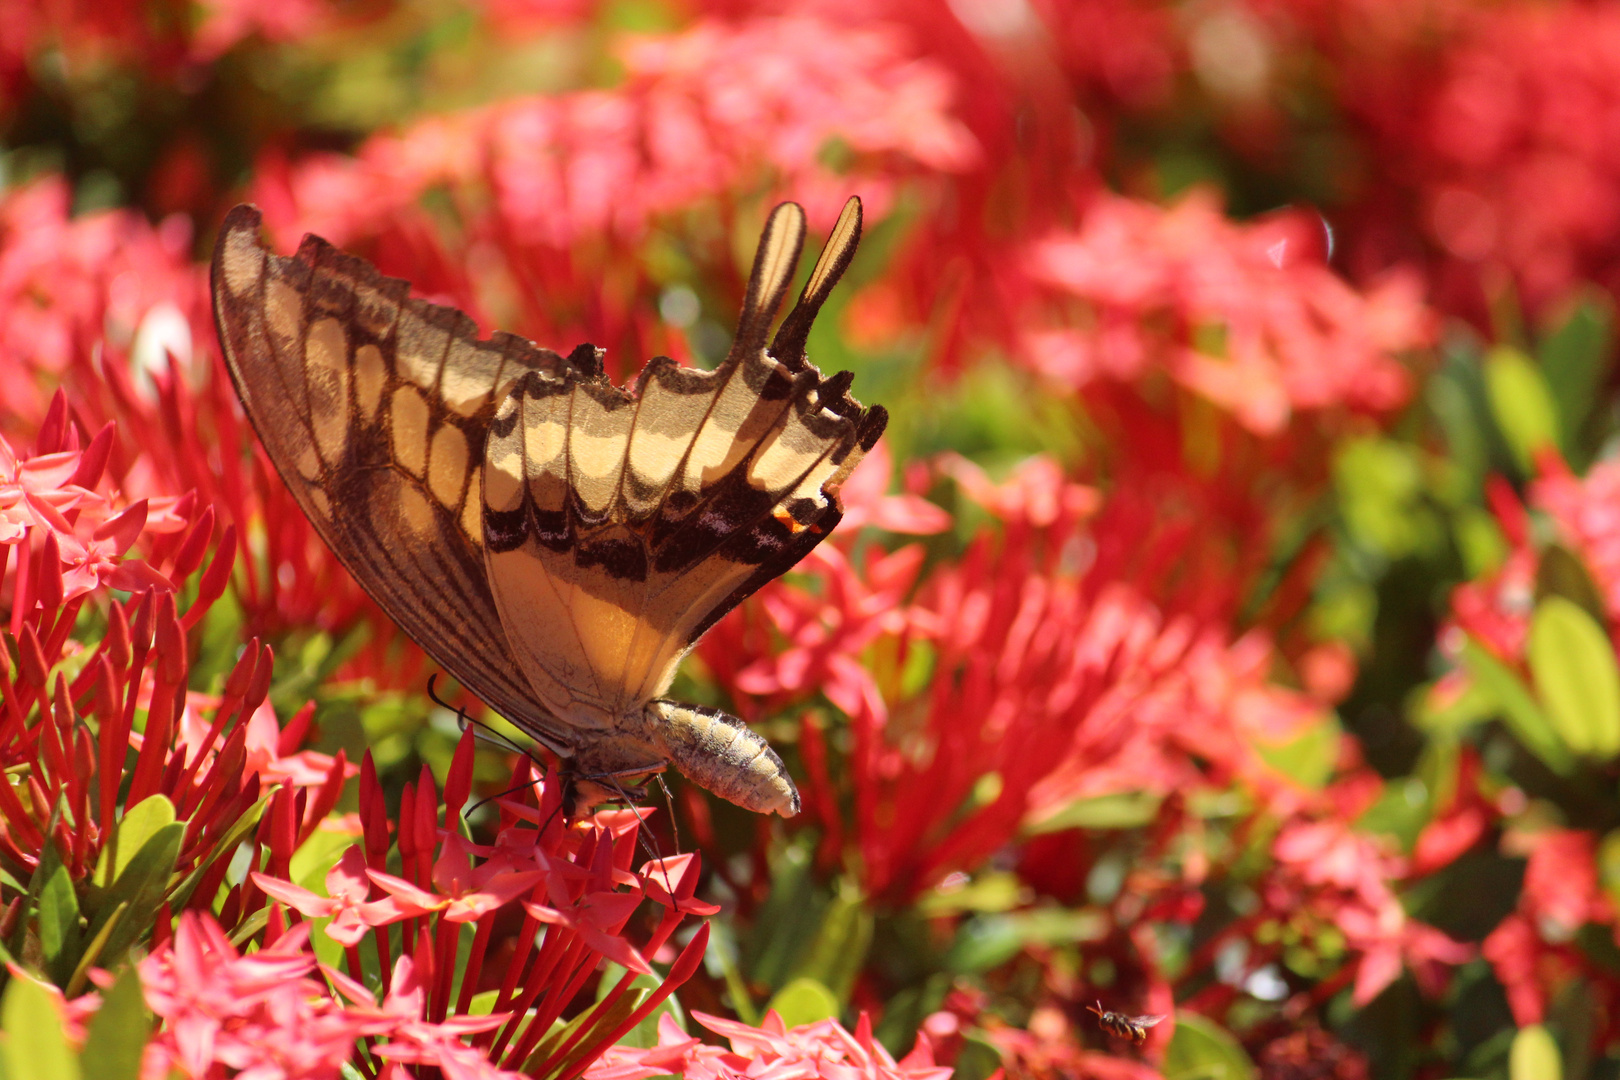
(557, 543)
(1123, 1026)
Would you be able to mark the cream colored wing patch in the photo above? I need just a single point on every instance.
(374, 408)
(619, 525)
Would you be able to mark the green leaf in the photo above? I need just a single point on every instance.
(839, 948)
(1380, 484)
(1124, 810)
(1522, 404)
(1310, 758)
(645, 1034)
(483, 1004)
(1534, 1056)
(35, 1046)
(138, 825)
(1572, 661)
(1560, 572)
(60, 939)
(1608, 865)
(92, 951)
(118, 1032)
(804, 1001)
(993, 891)
(600, 1018)
(1203, 1050)
(720, 961)
(143, 885)
(991, 940)
(1518, 708)
(792, 913)
(977, 1060)
(1576, 358)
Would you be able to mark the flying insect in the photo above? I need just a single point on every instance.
(1122, 1026)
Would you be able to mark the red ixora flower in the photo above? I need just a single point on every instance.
(259, 1012)
(577, 895)
(1533, 950)
(1247, 316)
(824, 1050)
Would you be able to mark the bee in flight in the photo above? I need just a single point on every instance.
(1122, 1026)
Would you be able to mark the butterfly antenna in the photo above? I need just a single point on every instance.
(500, 795)
(487, 734)
(481, 730)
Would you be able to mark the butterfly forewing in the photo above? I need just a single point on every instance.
(373, 407)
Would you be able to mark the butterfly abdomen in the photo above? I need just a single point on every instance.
(724, 755)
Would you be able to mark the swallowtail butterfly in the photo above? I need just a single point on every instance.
(557, 543)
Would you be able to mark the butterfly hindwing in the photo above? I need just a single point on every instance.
(621, 525)
(373, 407)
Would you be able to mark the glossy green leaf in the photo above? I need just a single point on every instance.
(60, 939)
(35, 1047)
(720, 961)
(483, 1004)
(1380, 484)
(1572, 661)
(977, 1060)
(1200, 1049)
(1518, 707)
(990, 940)
(1534, 1056)
(804, 1001)
(118, 1031)
(224, 848)
(92, 951)
(1522, 405)
(1608, 865)
(788, 921)
(142, 885)
(138, 825)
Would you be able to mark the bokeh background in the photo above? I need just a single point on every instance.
(1225, 628)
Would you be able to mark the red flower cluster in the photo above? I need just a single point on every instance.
(1248, 317)
(823, 1050)
(1500, 149)
(544, 181)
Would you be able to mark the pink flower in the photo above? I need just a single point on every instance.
(347, 890)
(259, 1013)
(868, 504)
(466, 894)
(411, 1039)
(824, 1049)
(1247, 316)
